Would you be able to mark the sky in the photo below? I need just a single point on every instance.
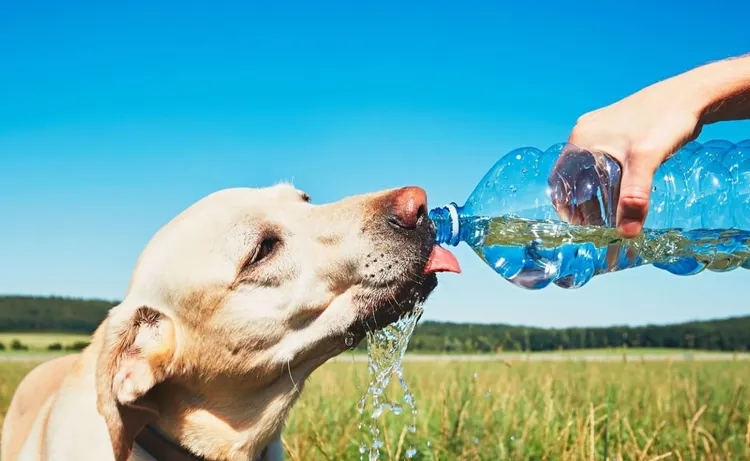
(114, 118)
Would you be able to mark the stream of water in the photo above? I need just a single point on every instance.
(385, 351)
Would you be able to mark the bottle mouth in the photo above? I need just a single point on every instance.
(447, 224)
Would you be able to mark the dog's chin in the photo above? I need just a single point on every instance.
(381, 306)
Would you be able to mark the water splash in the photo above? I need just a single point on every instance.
(385, 350)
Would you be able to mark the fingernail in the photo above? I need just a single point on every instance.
(629, 228)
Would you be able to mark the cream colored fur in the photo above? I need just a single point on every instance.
(214, 346)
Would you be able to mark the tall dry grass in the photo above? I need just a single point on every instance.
(537, 410)
(545, 411)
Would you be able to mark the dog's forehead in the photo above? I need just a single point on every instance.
(232, 213)
(208, 239)
(240, 203)
(259, 197)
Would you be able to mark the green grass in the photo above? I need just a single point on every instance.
(612, 352)
(575, 411)
(635, 351)
(40, 341)
(10, 375)
(533, 410)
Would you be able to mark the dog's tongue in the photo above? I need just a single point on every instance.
(441, 260)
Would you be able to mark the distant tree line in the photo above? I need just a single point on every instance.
(53, 314)
(17, 345)
(56, 314)
(731, 334)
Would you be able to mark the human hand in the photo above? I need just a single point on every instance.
(640, 132)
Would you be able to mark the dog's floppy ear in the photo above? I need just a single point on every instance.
(137, 353)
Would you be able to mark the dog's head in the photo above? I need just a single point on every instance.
(249, 286)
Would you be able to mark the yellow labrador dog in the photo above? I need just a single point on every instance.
(231, 306)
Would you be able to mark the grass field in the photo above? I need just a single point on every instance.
(40, 341)
(528, 410)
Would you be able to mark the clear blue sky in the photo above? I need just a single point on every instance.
(114, 119)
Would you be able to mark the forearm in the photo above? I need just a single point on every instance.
(720, 90)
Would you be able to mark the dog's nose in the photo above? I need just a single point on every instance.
(409, 207)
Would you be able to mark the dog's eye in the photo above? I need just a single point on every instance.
(265, 248)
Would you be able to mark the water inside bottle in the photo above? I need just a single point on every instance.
(532, 253)
(385, 351)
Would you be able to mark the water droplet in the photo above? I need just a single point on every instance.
(412, 428)
(518, 157)
(385, 349)
(362, 448)
(654, 189)
(476, 375)
(411, 452)
(513, 188)
(476, 441)
(349, 341)
(429, 443)
(488, 394)
(524, 170)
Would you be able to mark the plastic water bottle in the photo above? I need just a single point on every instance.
(537, 221)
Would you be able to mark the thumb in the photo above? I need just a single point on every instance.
(635, 192)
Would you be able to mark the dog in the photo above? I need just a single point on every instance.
(230, 307)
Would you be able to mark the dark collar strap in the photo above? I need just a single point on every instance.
(157, 444)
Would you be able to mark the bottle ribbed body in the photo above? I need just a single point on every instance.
(540, 217)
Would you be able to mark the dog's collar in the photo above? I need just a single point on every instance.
(162, 448)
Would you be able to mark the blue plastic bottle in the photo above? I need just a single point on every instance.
(537, 221)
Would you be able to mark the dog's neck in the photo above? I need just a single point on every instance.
(229, 418)
(226, 424)
(160, 447)
(231, 422)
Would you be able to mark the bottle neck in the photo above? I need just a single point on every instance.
(447, 224)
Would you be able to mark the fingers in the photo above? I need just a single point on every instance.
(635, 192)
(590, 212)
(559, 194)
(574, 187)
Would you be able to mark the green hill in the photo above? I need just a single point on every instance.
(70, 315)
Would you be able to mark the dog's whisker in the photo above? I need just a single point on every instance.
(391, 292)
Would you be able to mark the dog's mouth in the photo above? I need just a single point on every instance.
(384, 302)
